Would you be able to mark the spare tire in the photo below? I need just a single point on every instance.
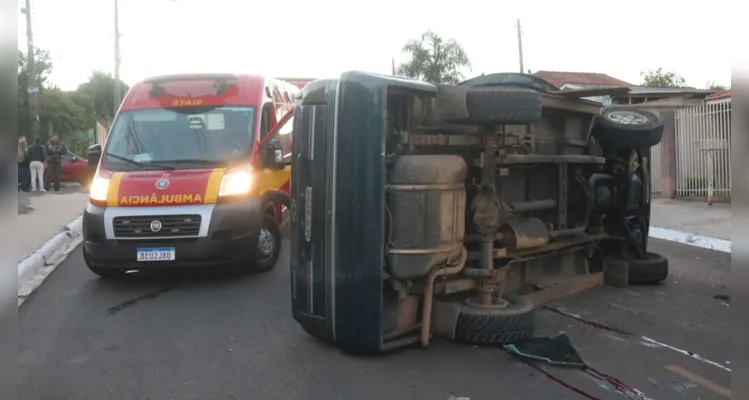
(483, 325)
(489, 105)
(627, 127)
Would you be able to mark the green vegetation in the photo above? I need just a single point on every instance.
(434, 60)
(69, 114)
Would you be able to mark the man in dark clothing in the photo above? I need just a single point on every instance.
(37, 156)
(55, 151)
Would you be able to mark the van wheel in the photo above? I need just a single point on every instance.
(511, 320)
(652, 270)
(267, 246)
(489, 105)
(627, 127)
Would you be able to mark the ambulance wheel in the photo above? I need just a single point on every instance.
(510, 320)
(267, 246)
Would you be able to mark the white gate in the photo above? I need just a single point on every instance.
(655, 170)
(703, 150)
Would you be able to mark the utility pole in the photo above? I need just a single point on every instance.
(520, 46)
(33, 89)
(117, 95)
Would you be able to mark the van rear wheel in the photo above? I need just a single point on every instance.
(267, 246)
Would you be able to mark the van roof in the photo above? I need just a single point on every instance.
(251, 90)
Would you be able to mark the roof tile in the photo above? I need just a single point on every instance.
(559, 78)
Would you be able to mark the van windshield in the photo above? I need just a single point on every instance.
(180, 137)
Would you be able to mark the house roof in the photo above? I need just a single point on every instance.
(637, 90)
(559, 78)
(665, 90)
(720, 95)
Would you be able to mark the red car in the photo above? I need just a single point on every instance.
(74, 169)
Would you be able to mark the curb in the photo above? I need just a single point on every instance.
(47, 253)
(691, 239)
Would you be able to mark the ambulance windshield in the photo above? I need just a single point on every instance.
(183, 137)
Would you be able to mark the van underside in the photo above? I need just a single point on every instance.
(502, 196)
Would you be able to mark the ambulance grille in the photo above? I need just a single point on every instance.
(167, 226)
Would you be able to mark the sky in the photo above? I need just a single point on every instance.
(322, 38)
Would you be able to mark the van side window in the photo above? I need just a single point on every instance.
(265, 122)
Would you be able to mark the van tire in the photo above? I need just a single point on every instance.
(266, 246)
(650, 271)
(495, 326)
(490, 105)
(611, 131)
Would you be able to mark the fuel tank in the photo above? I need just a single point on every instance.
(426, 202)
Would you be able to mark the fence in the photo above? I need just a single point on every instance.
(703, 150)
(655, 170)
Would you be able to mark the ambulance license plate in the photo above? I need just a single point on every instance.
(156, 254)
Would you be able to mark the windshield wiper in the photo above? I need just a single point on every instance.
(138, 163)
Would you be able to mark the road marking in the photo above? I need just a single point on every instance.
(704, 382)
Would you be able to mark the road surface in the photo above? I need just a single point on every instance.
(201, 337)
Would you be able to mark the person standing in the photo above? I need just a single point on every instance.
(24, 173)
(37, 156)
(55, 151)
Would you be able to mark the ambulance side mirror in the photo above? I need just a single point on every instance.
(271, 156)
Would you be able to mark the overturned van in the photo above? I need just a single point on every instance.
(454, 211)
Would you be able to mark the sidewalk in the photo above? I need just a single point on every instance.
(692, 217)
(692, 222)
(43, 215)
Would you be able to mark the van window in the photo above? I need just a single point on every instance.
(284, 134)
(181, 136)
(265, 121)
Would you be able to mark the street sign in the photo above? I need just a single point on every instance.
(33, 90)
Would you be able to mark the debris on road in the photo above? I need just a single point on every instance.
(559, 351)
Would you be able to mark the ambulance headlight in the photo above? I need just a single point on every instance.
(236, 182)
(99, 189)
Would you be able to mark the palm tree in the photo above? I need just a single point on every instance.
(434, 59)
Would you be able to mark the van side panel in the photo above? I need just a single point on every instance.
(359, 212)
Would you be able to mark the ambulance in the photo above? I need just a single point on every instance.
(194, 173)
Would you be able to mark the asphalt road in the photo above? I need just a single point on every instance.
(203, 337)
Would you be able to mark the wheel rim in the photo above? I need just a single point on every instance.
(497, 302)
(266, 244)
(627, 118)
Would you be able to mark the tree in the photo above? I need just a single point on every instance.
(58, 109)
(434, 59)
(59, 112)
(97, 94)
(661, 79)
(717, 87)
(43, 67)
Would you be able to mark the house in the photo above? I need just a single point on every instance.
(573, 80)
(719, 98)
(654, 97)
